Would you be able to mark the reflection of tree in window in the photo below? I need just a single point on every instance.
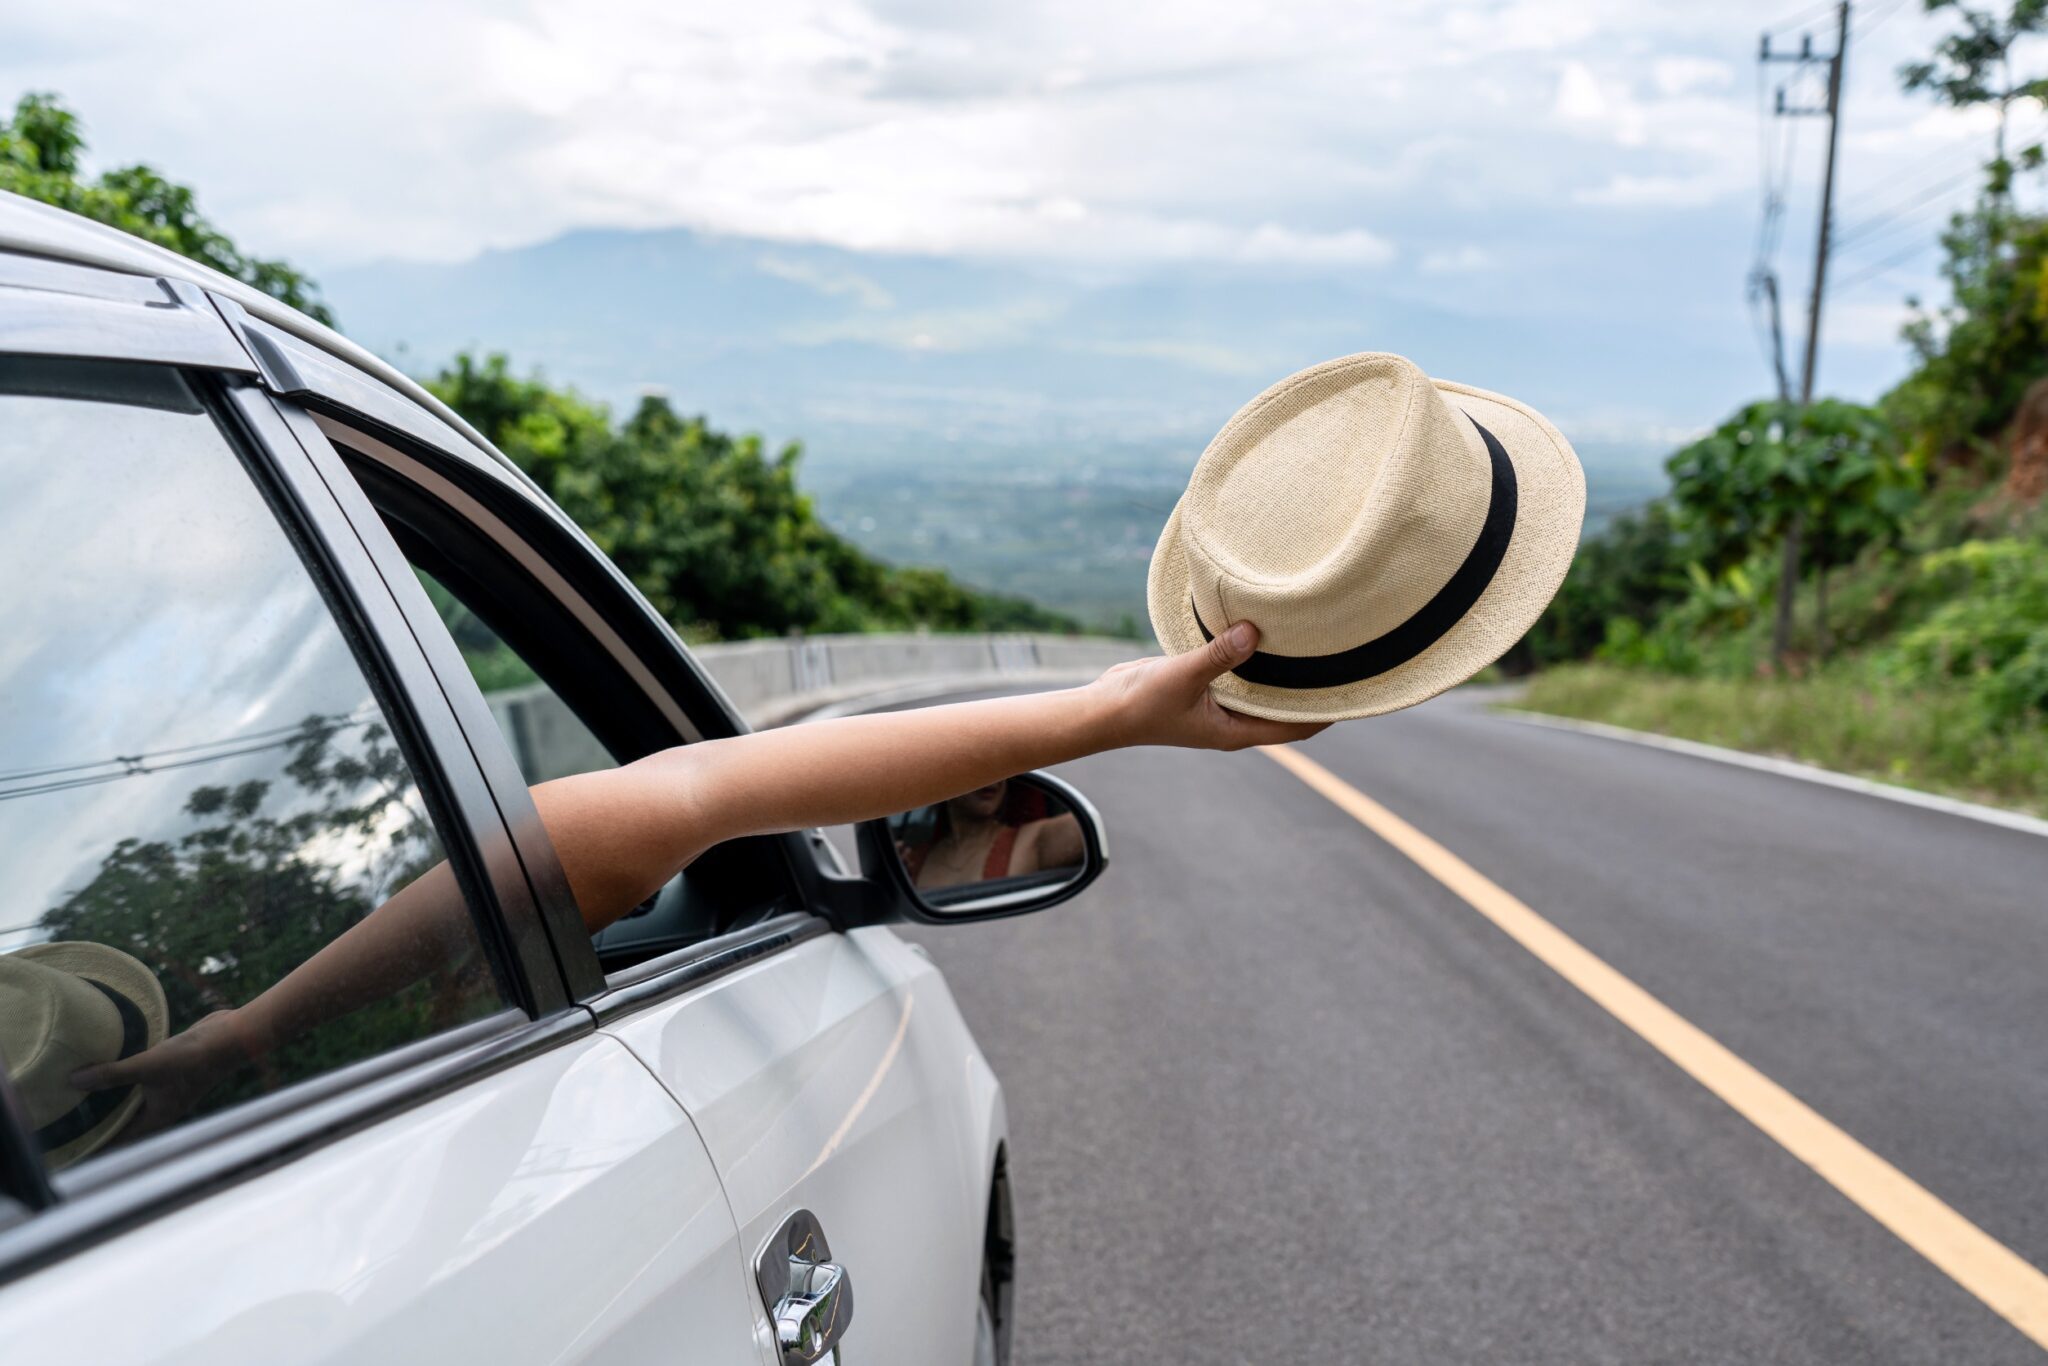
(271, 874)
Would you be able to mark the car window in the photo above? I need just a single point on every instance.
(546, 738)
(562, 701)
(199, 789)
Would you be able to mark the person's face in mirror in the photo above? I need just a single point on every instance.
(1003, 830)
(980, 806)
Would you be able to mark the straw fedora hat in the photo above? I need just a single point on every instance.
(1390, 535)
(66, 1006)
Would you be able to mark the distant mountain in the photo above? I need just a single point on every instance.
(1025, 427)
(857, 352)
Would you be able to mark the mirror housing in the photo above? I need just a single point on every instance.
(882, 865)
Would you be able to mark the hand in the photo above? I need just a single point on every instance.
(176, 1074)
(1166, 701)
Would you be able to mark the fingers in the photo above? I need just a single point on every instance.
(103, 1075)
(1200, 668)
(1243, 732)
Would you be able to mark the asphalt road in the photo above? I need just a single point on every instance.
(1277, 1095)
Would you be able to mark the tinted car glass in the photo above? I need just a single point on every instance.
(547, 738)
(565, 706)
(199, 791)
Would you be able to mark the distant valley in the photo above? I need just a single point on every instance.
(1027, 430)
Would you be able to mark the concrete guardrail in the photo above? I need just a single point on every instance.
(772, 682)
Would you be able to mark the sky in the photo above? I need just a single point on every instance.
(1489, 157)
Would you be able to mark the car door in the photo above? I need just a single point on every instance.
(224, 754)
(827, 1072)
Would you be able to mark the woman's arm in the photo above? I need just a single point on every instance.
(1054, 842)
(622, 833)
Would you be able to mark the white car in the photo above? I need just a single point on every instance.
(282, 636)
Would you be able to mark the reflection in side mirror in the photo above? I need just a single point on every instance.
(1012, 846)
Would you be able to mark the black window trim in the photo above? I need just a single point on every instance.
(53, 1215)
(530, 863)
(564, 564)
(447, 770)
(520, 550)
(686, 969)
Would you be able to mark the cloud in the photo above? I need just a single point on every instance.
(1463, 260)
(1300, 132)
(827, 282)
(1275, 244)
(1219, 360)
(1684, 75)
(1659, 191)
(1873, 323)
(1579, 96)
(1581, 139)
(938, 329)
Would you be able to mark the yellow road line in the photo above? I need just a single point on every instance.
(2014, 1289)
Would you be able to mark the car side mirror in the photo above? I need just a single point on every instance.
(1018, 845)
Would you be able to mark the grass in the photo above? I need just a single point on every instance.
(1929, 739)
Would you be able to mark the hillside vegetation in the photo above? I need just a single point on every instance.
(712, 527)
(1861, 587)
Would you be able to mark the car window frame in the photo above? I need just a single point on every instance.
(527, 528)
(47, 1215)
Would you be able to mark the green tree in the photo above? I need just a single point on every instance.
(42, 152)
(1973, 65)
(1828, 473)
(1978, 352)
(711, 527)
(1631, 572)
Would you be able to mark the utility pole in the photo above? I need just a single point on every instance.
(1788, 574)
(1827, 201)
(1763, 284)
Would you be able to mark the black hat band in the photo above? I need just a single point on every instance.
(1418, 632)
(82, 1118)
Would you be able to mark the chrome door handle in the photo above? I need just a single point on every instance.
(809, 1297)
(810, 1318)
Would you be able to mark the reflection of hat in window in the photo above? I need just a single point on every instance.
(67, 1006)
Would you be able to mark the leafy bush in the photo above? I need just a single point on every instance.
(1701, 633)
(1991, 631)
(1628, 574)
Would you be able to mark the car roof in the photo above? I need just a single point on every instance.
(37, 229)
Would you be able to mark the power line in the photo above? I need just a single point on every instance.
(1940, 159)
(1871, 272)
(1802, 18)
(1872, 20)
(1887, 236)
(348, 718)
(141, 766)
(1891, 212)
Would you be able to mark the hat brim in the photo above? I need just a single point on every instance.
(1550, 508)
(127, 975)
